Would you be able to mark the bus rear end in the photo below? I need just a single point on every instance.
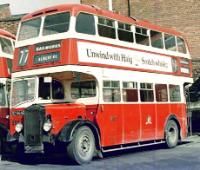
(6, 55)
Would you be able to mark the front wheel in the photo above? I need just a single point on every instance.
(82, 147)
(1, 147)
(171, 134)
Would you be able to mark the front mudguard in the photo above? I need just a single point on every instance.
(66, 134)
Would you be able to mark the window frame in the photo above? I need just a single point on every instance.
(161, 38)
(135, 89)
(167, 93)
(112, 91)
(105, 25)
(141, 34)
(81, 94)
(125, 31)
(43, 23)
(95, 23)
(146, 89)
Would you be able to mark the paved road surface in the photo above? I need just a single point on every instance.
(184, 157)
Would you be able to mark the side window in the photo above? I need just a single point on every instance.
(111, 91)
(85, 24)
(181, 45)
(124, 32)
(57, 90)
(174, 91)
(106, 27)
(146, 92)
(141, 36)
(2, 95)
(56, 23)
(6, 45)
(161, 93)
(84, 89)
(9, 63)
(170, 42)
(130, 92)
(156, 39)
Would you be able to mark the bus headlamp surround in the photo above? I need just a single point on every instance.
(47, 126)
(18, 127)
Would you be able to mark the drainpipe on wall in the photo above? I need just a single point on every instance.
(129, 8)
(110, 7)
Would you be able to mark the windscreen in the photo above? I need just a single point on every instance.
(23, 91)
(29, 29)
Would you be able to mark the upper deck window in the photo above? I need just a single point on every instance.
(6, 45)
(29, 29)
(85, 24)
(170, 42)
(124, 32)
(141, 36)
(56, 23)
(181, 45)
(156, 39)
(106, 27)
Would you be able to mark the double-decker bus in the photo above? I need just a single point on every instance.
(96, 82)
(6, 55)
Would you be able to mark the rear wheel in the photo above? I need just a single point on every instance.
(82, 147)
(171, 134)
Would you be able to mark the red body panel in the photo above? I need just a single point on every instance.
(120, 124)
(61, 114)
(4, 112)
(4, 72)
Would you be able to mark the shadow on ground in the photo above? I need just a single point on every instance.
(61, 158)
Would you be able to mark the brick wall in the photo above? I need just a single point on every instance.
(7, 21)
(5, 11)
(9, 25)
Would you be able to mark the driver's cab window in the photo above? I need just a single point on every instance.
(57, 90)
(50, 90)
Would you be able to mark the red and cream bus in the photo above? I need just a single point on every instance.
(97, 81)
(6, 55)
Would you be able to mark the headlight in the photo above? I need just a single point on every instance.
(47, 126)
(18, 127)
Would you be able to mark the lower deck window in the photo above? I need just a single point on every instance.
(174, 91)
(84, 89)
(130, 92)
(161, 93)
(146, 92)
(111, 91)
(2, 95)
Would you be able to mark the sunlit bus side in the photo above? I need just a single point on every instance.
(6, 56)
(96, 82)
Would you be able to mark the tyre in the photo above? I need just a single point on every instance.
(171, 134)
(81, 149)
(1, 147)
